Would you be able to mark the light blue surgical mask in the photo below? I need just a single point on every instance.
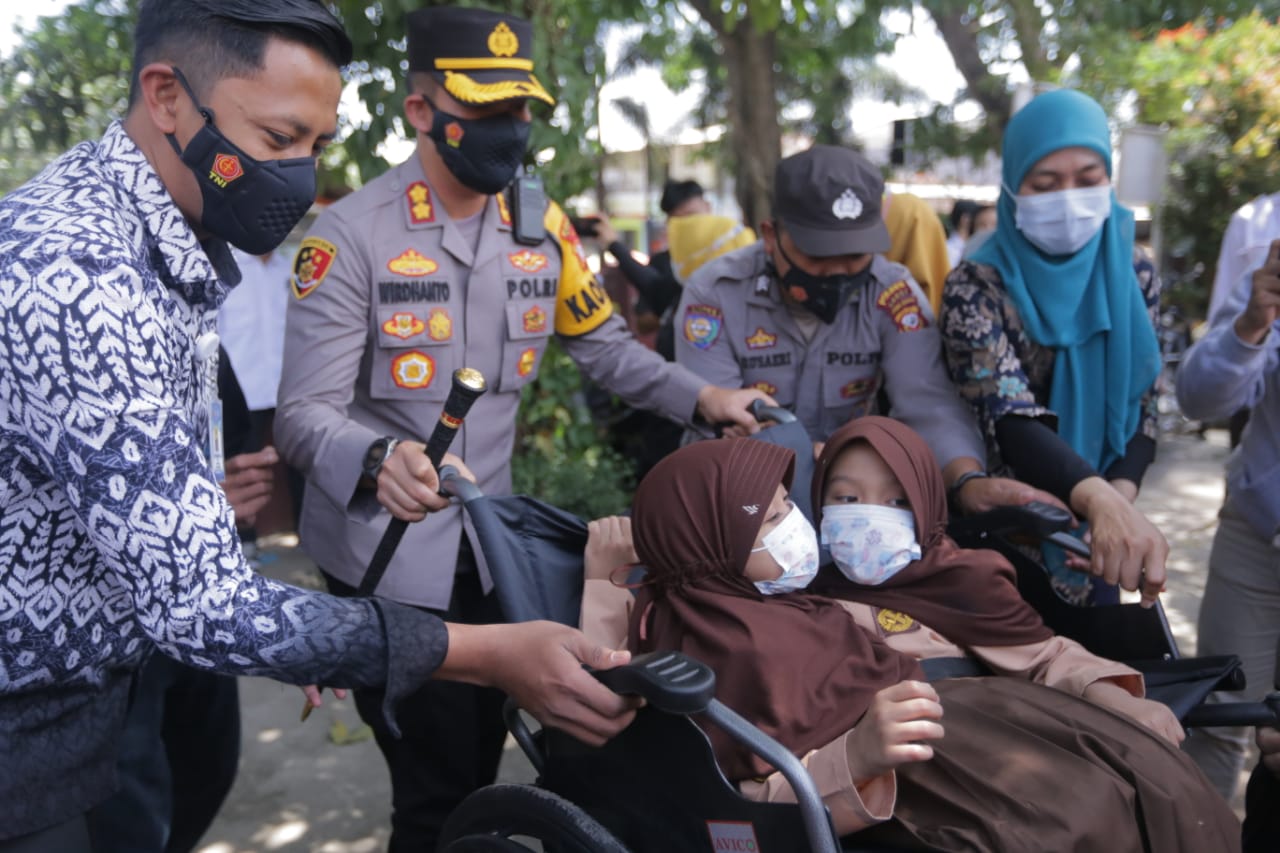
(1063, 221)
(870, 543)
(793, 544)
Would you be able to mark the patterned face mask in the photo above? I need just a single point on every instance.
(868, 543)
(794, 545)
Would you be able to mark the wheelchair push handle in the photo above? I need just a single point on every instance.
(669, 681)
(762, 412)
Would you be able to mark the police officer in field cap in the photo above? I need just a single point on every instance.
(396, 286)
(815, 316)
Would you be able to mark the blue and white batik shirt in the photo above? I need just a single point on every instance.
(115, 538)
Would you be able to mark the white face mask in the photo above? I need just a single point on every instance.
(1062, 222)
(794, 545)
(870, 543)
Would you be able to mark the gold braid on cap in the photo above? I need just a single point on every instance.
(469, 91)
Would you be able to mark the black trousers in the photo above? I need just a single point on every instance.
(452, 734)
(1262, 812)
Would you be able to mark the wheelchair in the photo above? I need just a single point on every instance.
(657, 787)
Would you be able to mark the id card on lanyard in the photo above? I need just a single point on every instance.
(217, 456)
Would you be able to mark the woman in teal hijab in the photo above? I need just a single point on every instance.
(1049, 332)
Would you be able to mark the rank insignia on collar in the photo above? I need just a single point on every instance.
(528, 361)
(404, 325)
(439, 325)
(412, 263)
(504, 212)
(414, 369)
(311, 264)
(421, 210)
(534, 320)
(761, 339)
(528, 261)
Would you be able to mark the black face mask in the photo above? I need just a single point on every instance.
(822, 295)
(483, 153)
(252, 204)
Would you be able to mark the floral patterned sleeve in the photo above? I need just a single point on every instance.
(981, 341)
(1149, 281)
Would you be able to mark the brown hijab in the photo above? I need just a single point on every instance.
(968, 596)
(794, 664)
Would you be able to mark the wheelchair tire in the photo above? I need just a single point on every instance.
(503, 811)
(485, 844)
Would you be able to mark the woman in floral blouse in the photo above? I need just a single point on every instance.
(1049, 334)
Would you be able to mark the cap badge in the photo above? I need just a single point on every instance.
(502, 41)
(847, 206)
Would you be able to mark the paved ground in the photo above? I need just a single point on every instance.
(318, 787)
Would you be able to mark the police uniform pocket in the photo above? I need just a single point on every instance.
(528, 327)
(415, 354)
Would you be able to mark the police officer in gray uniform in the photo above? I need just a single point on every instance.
(397, 285)
(815, 317)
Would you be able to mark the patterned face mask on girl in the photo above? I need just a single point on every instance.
(794, 545)
(869, 543)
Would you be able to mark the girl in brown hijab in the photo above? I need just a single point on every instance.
(1020, 767)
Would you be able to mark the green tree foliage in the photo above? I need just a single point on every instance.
(64, 82)
(1219, 94)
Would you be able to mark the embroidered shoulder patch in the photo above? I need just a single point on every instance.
(899, 302)
(702, 325)
(312, 263)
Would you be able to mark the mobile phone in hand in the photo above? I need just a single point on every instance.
(586, 226)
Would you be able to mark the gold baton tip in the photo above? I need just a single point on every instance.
(469, 378)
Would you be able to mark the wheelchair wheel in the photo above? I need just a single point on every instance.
(499, 812)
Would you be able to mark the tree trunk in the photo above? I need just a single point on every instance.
(960, 32)
(754, 133)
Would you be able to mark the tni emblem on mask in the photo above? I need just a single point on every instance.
(701, 325)
(420, 207)
(403, 325)
(761, 339)
(226, 168)
(893, 622)
(528, 361)
(502, 41)
(413, 370)
(453, 134)
(311, 264)
(439, 325)
(899, 302)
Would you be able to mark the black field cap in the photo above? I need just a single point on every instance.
(480, 57)
(828, 199)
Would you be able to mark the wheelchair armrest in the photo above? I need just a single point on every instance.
(669, 681)
(1264, 713)
(1038, 519)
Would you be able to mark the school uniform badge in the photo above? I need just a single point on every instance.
(702, 325)
(894, 622)
(439, 325)
(311, 264)
(403, 325)
(899, 302)
(761, 339)
(414, 369)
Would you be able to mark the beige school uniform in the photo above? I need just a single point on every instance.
(1057, 662)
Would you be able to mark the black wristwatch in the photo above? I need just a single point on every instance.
(953, 493)
(379, 452)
